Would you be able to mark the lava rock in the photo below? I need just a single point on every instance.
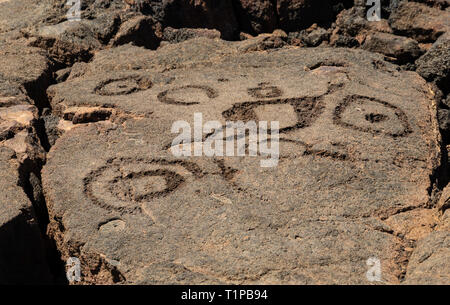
(256, 16)
(22, 256)
(141, 31)
(295, 15)
(428, 264)
(420, 21)
(402, 48)
(144, 215)
(434, 65)
(211, 14)
(178, 35)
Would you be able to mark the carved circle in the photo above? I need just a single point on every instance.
(371, 120)
(123, 86)
(112, 187)
(164, 97)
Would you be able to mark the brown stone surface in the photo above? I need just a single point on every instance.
(364, 141)
(132, 210)
(429, 262)
(21, 254)
(16, 15)
(420, 21)
(400, 48)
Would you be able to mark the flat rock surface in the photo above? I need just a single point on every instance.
(23, 71)
(429, 263)
(358, 144)
(31, 13)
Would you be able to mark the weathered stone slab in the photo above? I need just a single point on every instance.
(24, 71)
(420, 21)
(21, 253)
(358, 143)
(429, 263)
(16, 15)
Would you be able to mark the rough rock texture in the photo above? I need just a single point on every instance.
(23, 72)
(420, 21)
(400, 48)
(140, 30)
(358, 144)
(435, 64)
(364, 151)
(17, 15)
(211, 14)
(21, 254)
(444, 201)
(256, 16)
(295, 14)
(178, 35)
(429, 262)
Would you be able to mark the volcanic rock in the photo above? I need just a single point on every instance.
(428, 264)
(420, 21)
(401, 48)
(358, 143)
(22, 258)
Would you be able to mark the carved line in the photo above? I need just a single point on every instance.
(141, 83)
(163, 96)
(306, 108)
(173, 180)
(340, 108)
(265, 91)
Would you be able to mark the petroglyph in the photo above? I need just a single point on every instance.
(164, 97)
(306, 110)
(120, 186)
(371, 115)
(353, 147)
(123, 86)
(264, 90)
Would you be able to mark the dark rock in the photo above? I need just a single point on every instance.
(51, 128)
(444, 120)
(295, 15)
(22, 257)
(402, 48)
(311, 37)
(419, 21)
(256, 16)
(434, 65)
(62, 75)
(141, 31)
(211, 14)
(69, 41)
(178, 35)
(337, 40)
